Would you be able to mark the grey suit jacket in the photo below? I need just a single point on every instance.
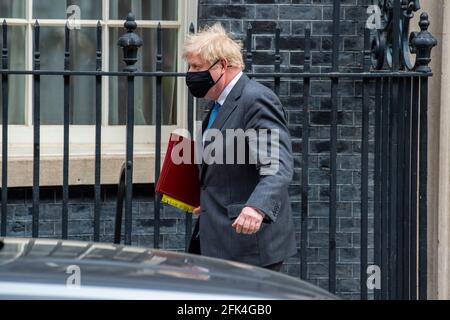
(227, 188)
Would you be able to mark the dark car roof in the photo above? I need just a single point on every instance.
(40, 268)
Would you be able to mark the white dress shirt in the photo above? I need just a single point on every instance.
(223, 96)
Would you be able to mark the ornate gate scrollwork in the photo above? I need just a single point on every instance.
(383, 39)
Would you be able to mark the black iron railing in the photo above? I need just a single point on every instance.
(400, 150)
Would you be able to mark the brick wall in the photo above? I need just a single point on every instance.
(293, 16)
(81, 215)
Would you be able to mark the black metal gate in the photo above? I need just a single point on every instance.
(400, 91)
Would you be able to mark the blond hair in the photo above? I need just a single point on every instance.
(213, 43)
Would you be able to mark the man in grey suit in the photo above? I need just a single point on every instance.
(244, 212)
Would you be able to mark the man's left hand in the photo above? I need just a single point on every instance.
(248, 222)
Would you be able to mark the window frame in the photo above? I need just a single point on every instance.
(82, 137)
(111, 134)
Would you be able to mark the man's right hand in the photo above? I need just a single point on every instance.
(196, 212)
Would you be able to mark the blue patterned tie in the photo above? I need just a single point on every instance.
(213, 115)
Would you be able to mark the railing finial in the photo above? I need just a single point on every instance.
(422, 43)
(130, 42)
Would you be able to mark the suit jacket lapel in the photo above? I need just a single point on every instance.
(200, 143)
(206, 120)
(230, 104)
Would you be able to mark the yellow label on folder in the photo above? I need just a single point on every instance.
(177, 204)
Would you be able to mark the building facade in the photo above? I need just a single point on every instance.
(293, 17)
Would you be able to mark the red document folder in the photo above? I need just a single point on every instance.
(179, 183)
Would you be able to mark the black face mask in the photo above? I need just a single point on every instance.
(200, 82)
